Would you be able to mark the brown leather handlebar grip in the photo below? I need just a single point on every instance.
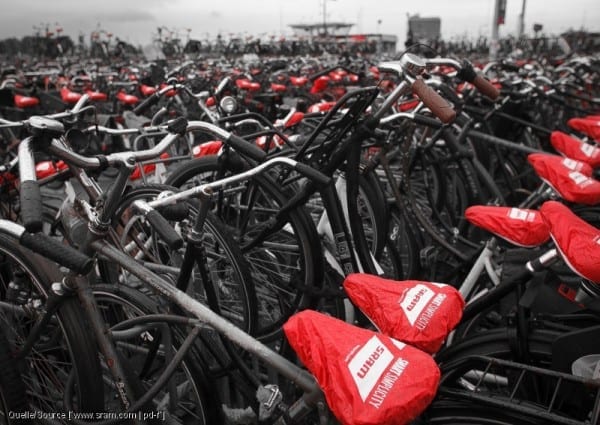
(485, 87)
(436, 103)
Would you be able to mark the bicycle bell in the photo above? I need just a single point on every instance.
(412, 65)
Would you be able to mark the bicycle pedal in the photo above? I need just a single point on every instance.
(269, 397)
(427, 256)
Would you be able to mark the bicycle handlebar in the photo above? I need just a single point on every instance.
(54, 250)
(485, 87)
(48, 247)
(147, 103)
(436, 103)
(29, 193)
(438, 106)
(57, 148)
(467, 73)
(160, 225)
(208, 188)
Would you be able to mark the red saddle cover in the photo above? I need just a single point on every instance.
(320, 84)
(590, 127)
(69, 96)
(147, 90)
(296, 118)
(573, 186)
(578, 241)
(97, 96)
(559, 161)
(367, 378)
(169, 93)
(415, 312)
(320, 107)
(127, 99)
(298, 81)
(575, 149)
(45, 169)
(25, 101)
(207, 148)
(520, 227)
(280, 88)
(244, 84)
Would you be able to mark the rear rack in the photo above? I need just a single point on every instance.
(551, 396)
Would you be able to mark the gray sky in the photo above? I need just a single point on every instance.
(136, 20)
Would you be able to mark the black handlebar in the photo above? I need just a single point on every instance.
(164, 229)
(31, 205)
(146, 104)
(56, 251)
(246, 148)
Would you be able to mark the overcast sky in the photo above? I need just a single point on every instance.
(136, 20)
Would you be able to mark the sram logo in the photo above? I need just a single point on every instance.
(579, 179)
(519, 214)
(571, 164)
(368, 364)
(414, 301)
(589, 150)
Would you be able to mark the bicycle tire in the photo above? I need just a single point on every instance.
(291, 280)
(495, 343)
(404, 242)
(228, 266)
(377, 210)
(455, 412)
(197, 401)
(13, 398)
(67, 345)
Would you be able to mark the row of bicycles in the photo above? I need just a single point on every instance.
(417, 246)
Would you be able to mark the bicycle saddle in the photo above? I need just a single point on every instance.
(279, 88)
(589, 126)
(298, 81)
(147, 90)
(97, 96)
(577, 241)
(521, 227)
(571, 185)
(25, 101)
(367, 378)
(69, 96)
(127, 99)
(207, 148)
(415, 312)
(575, 148)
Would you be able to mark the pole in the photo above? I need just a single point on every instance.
(494, 43)
(325, 17)
(521, 28)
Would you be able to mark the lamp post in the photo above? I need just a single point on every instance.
(499, 13)
(325, 16)
(380, 40)
(521, 28)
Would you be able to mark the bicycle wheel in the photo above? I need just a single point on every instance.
(401, 254)
(13, 398)
(231, 280)
(373, 211)
(285, 262)
(188, 396)
(64, 352)
(496, 343)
